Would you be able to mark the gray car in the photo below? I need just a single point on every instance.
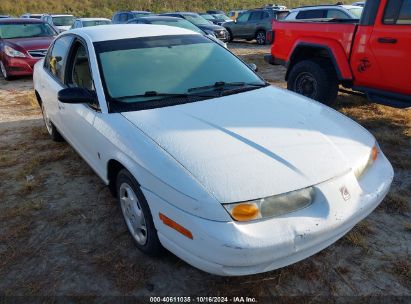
(254, 24)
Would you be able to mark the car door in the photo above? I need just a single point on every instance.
(78, 119)
(390, 44)
(53, 80)
(254, 21)
(239, 28)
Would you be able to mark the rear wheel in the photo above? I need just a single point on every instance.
(4, 71)
(260, 37)
(315, 79)
(229, 36)
(51, 129)
(137, 214)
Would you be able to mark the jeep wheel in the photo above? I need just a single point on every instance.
(315, 79)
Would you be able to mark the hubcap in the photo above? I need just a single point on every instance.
(3, 69)
(305, 84)
(133, 214)
(260, 38)
(46, 119)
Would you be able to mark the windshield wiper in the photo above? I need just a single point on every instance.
(165, 95)
(222, 85)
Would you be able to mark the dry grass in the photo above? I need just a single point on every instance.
(396, 202)
(402, 269)
(357, 237)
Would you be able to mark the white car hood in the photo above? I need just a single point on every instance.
(254, 144)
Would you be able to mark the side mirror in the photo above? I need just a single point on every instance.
(253, 66)
(76, 95)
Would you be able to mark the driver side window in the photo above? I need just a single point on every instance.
(79, 74)
(243, 17)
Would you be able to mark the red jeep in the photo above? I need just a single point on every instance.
(371, 55)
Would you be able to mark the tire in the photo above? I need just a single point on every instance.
(260, 37)
(230, 37)
(315, 79)
(137, 214)
(51, 128)
(4, 71)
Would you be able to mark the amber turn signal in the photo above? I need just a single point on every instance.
(245, 212)
(374, 153)
(169, 222)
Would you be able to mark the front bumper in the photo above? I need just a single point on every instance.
(270, 59)
(17, 66)
(233, 248)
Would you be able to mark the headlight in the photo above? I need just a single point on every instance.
(363, 166)
(12, 52)
(271, 206)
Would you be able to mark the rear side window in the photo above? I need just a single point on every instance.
(56, 59)
(257, 15)
(337, 14)
(266, 15)
(397, 12)
(311, 14)
(123, 17)
(243, 17)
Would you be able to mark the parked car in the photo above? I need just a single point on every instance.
(211, 29)
(23, 42)
(253, 24)
(33, 16)
(123, 17)
(233, 15)
(174, 21)
(232, 175)
(325, 11)
(60, 22)
(86, 22)
(221, 18)
(370, 57)
(361, 3)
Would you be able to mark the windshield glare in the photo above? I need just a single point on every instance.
(95, 22)
(197, 19)
(179, 23)
(25, 30)
(63, 21)
(167, 64)
(356, 12)
(221, 16)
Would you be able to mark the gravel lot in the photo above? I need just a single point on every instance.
(61, 233)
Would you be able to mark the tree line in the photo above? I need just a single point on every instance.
(106, 8)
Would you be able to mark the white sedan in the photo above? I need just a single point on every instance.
(231, 174)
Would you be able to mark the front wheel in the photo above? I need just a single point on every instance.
(4, 71)
(230, 37)
(315, 79)
(51, 128)
(137, 215)
(260, 37)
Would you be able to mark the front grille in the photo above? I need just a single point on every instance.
(38, 53)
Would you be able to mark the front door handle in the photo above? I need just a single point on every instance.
(387, 40)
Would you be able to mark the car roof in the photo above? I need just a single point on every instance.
(165, 18)
(61, 15)
(323, 7)
(20, 20)
(184, 13)
(131, 11)
(128, 31)
(92, 19)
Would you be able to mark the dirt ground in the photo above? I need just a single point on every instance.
(61, 233)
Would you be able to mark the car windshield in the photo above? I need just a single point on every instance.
(95, 22)
(141, 14)
(207, 16)
(221, 16)
(357, 11)
(196, 19)
(142, 70)
(63, 21)
(179, 23)
(25, 30)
